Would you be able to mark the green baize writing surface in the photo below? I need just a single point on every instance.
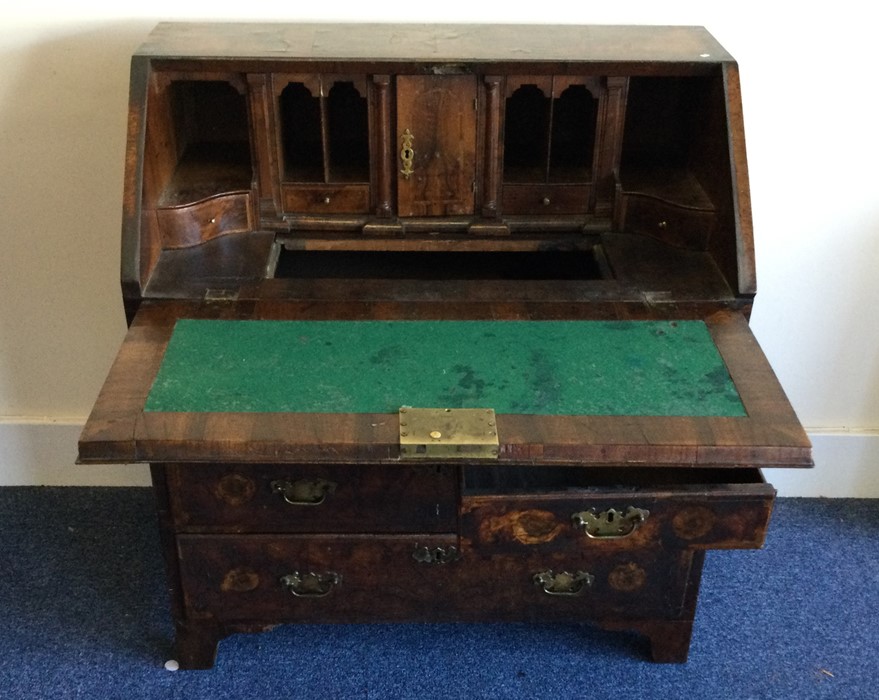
(639, 368)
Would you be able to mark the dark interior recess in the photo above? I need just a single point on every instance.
(208, 111)
(663, 115)
(325, 139)
(301, 134)
(513, 479)
(572, 144)
(549, 140)
(532, 265)
(526, 135)
(212, 139)
(348, 134)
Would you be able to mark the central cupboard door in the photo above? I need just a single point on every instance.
(436, 140)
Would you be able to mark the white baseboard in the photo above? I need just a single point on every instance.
(846, 466)
(42, 452)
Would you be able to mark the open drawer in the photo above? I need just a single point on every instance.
(515, 509)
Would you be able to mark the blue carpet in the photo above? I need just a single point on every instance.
(84, 614)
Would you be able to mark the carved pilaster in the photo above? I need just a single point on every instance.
(612, 119)
(491, 172)
(383, 167)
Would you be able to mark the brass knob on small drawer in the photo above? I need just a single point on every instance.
(545, 201)
(663, 225)
(326, 200)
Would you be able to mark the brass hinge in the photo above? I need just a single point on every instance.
(448, 433)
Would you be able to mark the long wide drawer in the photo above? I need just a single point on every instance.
(388, 578)
(320, 498)
(514, 509)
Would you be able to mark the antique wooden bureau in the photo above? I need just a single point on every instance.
(440, 323)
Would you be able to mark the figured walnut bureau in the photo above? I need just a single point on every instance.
(295, 195)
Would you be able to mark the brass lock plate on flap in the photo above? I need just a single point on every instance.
(448, 433)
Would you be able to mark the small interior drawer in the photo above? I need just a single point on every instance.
(516, 508)
(191, 224)
(545, 199)
(302, 498)
(326, 199)
(681, 226)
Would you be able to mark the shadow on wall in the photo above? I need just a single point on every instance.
(832, 359)
(63, 117)
(826, 353)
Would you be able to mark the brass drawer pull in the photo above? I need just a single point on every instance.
(611, 523)
(311, 585)
(437, 555)
(563, 583)
(304, 492)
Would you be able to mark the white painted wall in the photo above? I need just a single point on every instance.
(810, 115)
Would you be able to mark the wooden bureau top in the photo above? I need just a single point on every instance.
(435, 42)
(254, 145)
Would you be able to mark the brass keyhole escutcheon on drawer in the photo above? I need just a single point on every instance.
(436, 555)
(610, 523)
(304, 492)
(311, 584)
(563, 583)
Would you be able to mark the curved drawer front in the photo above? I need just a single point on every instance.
(387, 578)
(322, 498)
(708, 516)
(684, 227)
(191, 224)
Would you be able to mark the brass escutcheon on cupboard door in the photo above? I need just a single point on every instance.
(407, 154)
(436, 178)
